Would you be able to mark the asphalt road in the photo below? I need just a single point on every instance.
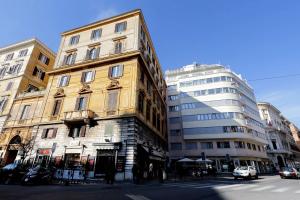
(266, 188)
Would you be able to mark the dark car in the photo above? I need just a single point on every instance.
(12, 173)
(37, 175)
(289, 172)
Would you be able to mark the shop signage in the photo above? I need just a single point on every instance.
(120, 166)
(44, 151)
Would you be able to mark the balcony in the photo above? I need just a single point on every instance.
(78, 116)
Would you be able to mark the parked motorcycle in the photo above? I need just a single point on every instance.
(37, 175)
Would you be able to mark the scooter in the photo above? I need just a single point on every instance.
(36, 176)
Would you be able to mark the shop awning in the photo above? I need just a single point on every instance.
(185, 160)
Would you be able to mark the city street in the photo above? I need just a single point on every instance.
(266, 188)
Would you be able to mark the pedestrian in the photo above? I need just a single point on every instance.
(135, 174)
(161, 174)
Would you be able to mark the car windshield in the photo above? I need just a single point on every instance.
(10, 166)
(287, 169)
(243, 168)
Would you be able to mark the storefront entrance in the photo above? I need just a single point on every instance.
(105, 160)
(12, 150)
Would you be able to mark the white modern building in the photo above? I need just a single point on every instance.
(212, 111)
(281, 144)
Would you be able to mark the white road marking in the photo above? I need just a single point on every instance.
(297, 192)
(263, 188)
(280, 190)
(245, 187)
(227, 186)
(136, 197)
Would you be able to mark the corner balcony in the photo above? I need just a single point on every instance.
(78, 116)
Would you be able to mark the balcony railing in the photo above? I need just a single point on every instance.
(78, 115)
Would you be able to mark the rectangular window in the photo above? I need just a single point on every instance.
(176, 146)
(9, 57)
(87, 76)
(254, 147)
(81, 103)
(174, 108)
(74, 40)
(191, 145)
(141, 102)
(174, 120)
(3, 102)
(116, 71)
(172, 97)
(274, 144)
(23, 52)
(148, 110)
(77, 131)
(239, 145)
(119, 27)
(248, 145)
(56, 107)
(63, 81)
(25, 111)
(175, 132)
(49, 133)
(96, 34)
(9, 86)
(44, 59)
(207, 145)
(112, 100)
(223, 145)
(118, 47)
(38, 73)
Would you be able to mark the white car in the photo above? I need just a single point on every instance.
(245, 172)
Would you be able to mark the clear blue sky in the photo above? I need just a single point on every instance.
(257, 38)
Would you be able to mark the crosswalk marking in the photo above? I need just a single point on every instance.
(136, 197)
(227, 186)
(280, 190)
(245, 187)
(263, 188)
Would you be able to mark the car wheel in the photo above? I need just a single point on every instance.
(256, 176)
(235, 178)
(281, 177)
(249, 177)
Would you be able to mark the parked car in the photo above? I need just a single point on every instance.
(12, 173)
(246, 172)
(289, 172)
(37, 175)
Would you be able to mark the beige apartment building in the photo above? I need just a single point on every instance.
(23, 68)
(104, 104)
(281, 149)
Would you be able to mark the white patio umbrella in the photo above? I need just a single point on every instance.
(205, 161)
(186, 160)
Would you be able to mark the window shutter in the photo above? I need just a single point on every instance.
(121, 70)
(83, 77)
(116, 28)
(44, 133)
(82, 131)
(73, 58)
(64, 60)
(58, 81)
(125, 25)
(92, 35)
(109, 72)
(47, 61)
(40, 56)
(93, 74)
(87, 56)
(68, 80)
(112, 100)
(34, 71)
(43, 76)
(77, 103)
(97, 52)
(54, 133)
